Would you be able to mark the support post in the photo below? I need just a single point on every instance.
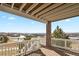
(48, 34)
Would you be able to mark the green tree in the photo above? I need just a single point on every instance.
(58, 33)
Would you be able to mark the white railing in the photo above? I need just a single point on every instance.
(25, 47)
(19, 48)
(70, 44)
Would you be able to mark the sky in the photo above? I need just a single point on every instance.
(14, 23)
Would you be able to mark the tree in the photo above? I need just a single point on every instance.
(28, 38)
(58, 33)
(4, 39)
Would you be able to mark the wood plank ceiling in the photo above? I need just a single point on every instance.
(42, 12)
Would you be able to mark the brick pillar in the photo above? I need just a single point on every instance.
(48, 34)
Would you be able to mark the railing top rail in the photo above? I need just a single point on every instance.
(64, 39)
(2, 44)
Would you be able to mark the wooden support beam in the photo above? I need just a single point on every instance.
(65, 10)
(1, 4)
(12, 5)
(47, 9)
(68, 14)
(60, 8)
(31, 7)
(40, 8)
(63, 17)
(22, 6)
(19, 13)
(48, 34)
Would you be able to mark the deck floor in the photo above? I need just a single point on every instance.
(49, 52)
(52, 51)
(35, 53)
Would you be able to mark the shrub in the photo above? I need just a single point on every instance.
(4, 39)
(28, 38)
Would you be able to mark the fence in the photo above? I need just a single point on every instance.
(70, 44)
(19, 48)
(25, 47)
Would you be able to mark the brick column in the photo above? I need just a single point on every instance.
(48, 34)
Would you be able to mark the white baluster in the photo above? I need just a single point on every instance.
(2, 50)
(26, 47)
(8, 51)
(65, 43)
(5, 50)
(11, 51)
(78, 44)
(15, 49)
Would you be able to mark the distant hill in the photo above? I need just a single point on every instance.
(36, 34)
(73, 34)
(18, 34)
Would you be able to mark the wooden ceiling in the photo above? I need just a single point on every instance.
(42, 12)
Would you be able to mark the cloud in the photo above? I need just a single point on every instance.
(32, 22)
(3, 16)
(11, 18)
(9, 23)
(65, 20)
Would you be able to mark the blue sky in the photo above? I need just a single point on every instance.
(13, 23)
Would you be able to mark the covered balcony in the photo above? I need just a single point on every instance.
(45, 13)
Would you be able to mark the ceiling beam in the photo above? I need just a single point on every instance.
(58, 9)
(22, 6)
(65, 10)
(31, 7)
(48, 9)
(12, 5)
(65, 15)
(19, 13)
(40, 8)
(58, 15)
(1, 4)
